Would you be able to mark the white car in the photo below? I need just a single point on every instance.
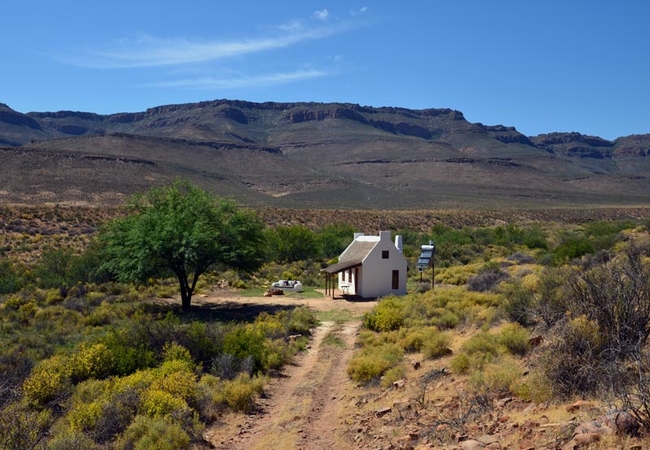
(288, 285)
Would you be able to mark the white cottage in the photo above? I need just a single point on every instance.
(371, 266)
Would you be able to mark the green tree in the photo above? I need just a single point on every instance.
(185, 230)
(10, 280)
(293, 243)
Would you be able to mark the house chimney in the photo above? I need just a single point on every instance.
(356, 235)
(398, 242)
(384, 235)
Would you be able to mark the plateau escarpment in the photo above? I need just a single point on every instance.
(308, 155)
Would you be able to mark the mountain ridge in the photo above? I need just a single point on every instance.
(307, 154)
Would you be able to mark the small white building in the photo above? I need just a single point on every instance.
(371, 267)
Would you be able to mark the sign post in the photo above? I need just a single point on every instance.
(426, 259)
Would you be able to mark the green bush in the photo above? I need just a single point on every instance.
(448, 320)
(22, 427)
(572, 245)
(500, 376)
(572, 362)
(146, 433)
(373, 362)
(246, 341)
(48, 380)
(240, 393)
(392, 375)
(10, 279)
(91, 361)
(386, 316)
(437, 346)
(518, 302)
(515, 338)
(461, 364)
(413, 339)
(482, 343)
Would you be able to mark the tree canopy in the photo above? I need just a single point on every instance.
(183, 229)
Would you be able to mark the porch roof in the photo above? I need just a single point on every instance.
(343, 265)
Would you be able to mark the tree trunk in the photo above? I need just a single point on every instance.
(186, 291)
(186, 300)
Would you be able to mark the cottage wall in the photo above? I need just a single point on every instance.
(377, 274)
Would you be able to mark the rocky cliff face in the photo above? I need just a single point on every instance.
(336, 155)
(256, 122)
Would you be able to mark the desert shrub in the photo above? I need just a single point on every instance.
(14, 369)
(476, 352)
(486, 280)
(298, 321)
(246, 341)
(521, 258)
(448, 320)
(137, 343)
(10, 279)
(53, 296)
(422, 287)
(227, 366)
(91, 361)
(572, 363)
(240, 393)
(373, 362)
(175, 352)
(518, 302)
(515, 339)
(149, 433)
(572, 245)
(552, 301)
(116, 415)
(437, 346)
(52, 269)
(22, 427)
(387, 315)
(482, 343)
(157, 403)
(128, 358)
(604, 234)
(460, 364)
(203, 340)
(456, 275)
(392, 375)
(69, 439)
(413, 339)
(101, 316)
(616, 296)
(499, 376)
(15, 301)
(535, 387)
(47, 381)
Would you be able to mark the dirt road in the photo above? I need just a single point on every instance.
(304, 407)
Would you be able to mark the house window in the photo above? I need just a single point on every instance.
(395, 279)
(384, 254)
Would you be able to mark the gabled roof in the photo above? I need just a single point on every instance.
(354, 255)
(359, 248)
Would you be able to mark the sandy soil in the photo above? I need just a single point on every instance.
(304, 407)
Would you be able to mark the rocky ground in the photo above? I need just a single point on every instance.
(313, 405)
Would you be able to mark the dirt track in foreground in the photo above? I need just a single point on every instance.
(304, 407)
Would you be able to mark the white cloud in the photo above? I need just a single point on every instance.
(244, 81)
(361, 10)
(322, 15)
(150, 51)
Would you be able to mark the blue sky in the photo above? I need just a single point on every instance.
(540, 66)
